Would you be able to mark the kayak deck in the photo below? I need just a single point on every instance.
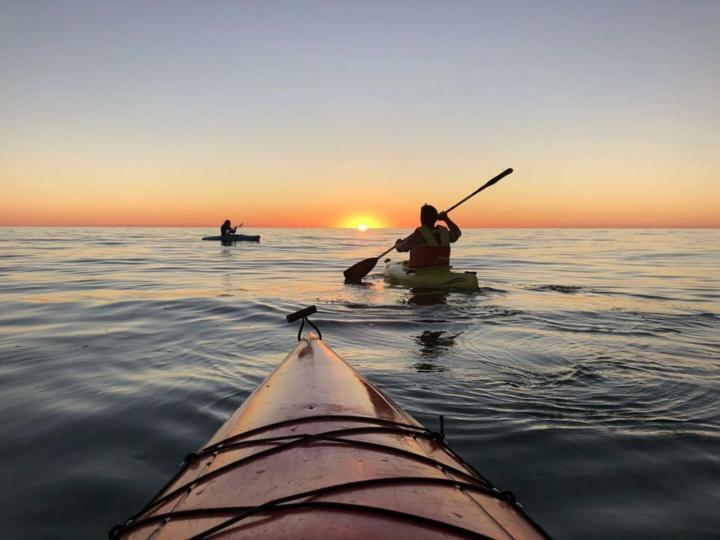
(318, 452)
(433, 277)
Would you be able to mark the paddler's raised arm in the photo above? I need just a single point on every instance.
(455, 231)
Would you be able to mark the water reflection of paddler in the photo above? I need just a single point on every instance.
(427, 297)
(429, 245)
(435, 343)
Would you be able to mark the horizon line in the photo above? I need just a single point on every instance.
(115, 226)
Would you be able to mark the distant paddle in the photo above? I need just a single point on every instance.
(359, 270)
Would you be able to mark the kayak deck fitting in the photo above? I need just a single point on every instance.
(318, 452)
(433, 277)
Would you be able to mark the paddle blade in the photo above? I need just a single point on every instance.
(359, 270)
(498, 178)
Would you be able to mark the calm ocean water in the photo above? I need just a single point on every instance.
(584, 376)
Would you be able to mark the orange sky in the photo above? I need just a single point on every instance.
(89, 193)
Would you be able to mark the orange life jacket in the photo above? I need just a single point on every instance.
(435, 251)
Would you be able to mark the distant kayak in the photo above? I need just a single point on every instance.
(234, 238)
(318, 452)
(433, 277)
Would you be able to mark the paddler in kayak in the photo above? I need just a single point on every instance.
(227, 228)
(429, 245)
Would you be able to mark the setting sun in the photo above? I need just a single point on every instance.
(362, 223)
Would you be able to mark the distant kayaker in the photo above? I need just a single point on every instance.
(429, 245)
(227, 228)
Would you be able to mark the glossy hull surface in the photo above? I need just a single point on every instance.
(317, 452)
(234, 238)
(435, 277)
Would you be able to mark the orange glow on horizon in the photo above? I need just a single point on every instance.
(35, 193)
(508, 214)
(362, 223)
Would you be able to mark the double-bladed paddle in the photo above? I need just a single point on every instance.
(359, 270)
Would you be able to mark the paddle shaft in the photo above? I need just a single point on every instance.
(388, 250)
(484, 186)
(478, 190)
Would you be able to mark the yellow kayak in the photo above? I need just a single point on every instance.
(433, 277)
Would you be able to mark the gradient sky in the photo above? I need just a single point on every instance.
(327, 113)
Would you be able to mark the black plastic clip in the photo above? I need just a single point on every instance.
(192, 456)
(439, 435)
(304, 314)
